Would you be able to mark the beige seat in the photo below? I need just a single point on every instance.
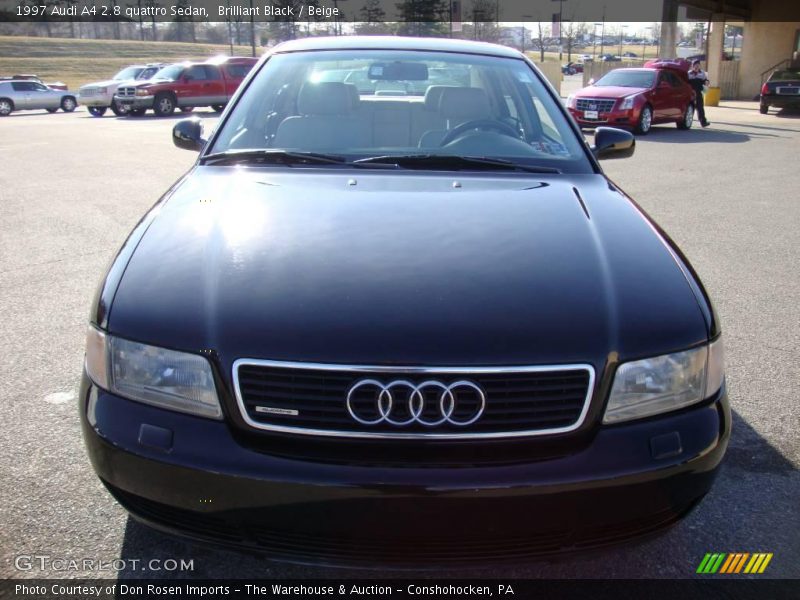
(456, 106)
(425, 115)
(326, 119)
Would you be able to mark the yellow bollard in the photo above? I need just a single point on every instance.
(712, 97)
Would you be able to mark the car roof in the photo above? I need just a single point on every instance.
(380, 42)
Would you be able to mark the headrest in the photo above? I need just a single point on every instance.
(355, 96)
(325, 98)
(464, 103)
(433, 95)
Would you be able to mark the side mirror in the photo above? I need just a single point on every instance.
(610, 142)
(188, 134)
(591, 81)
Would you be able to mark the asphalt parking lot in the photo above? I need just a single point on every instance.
(72, 187)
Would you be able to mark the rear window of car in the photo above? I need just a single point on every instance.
(785, 75)
(623, 78)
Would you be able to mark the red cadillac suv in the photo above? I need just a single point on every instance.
(637, 98)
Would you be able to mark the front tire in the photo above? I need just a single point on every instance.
(68, 104)
(51, 110)
(136, 112)
(187, 109)
(96, 111)
(164, 105)
(645, 121)
(6, 107)
(688, 118)
(218, 107)
(763, 108)
(119, 110)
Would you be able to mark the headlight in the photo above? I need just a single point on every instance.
(571, 100)
(657, 385)
(173, 380)
(627, 103)
(142, 92)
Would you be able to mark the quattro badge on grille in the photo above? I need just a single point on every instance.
(271, 410)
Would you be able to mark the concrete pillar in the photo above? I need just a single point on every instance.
(667, 44)
(669, 30)
(716, 42)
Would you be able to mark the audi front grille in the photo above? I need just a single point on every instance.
(408, 402)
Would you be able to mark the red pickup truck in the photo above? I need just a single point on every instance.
(185, 86)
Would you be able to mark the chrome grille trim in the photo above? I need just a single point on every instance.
(410, 369)
(604, 105)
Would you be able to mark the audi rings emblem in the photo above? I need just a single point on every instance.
(401, 402)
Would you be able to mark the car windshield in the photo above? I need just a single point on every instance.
(366, 104)
(127, 73)
(623, 78)
(789, 74)
(148, 72)
(171, 72)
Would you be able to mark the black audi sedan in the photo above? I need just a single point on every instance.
(402, 323)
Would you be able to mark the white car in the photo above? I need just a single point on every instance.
(99, 97)
(32, 95)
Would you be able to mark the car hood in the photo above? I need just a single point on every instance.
(143, 82)
(404, 268)
(106, 83)
(610, 91)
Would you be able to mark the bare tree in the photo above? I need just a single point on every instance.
(138, 6)
(152, 4)
(371, 19)
(571, 32)
(484, 18)
(423, 17)
(539, 42)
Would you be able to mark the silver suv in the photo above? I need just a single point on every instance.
(99, 97)
(31, 95)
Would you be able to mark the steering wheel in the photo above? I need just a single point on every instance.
(486, 124)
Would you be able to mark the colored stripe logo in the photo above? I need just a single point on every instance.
(736, 562)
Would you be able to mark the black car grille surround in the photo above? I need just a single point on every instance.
(601, 105)
(304, 398)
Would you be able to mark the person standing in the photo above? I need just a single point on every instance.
(698, 80)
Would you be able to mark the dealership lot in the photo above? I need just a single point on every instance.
(72, 186)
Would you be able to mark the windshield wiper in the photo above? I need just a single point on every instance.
(449, 162)
(271, 156)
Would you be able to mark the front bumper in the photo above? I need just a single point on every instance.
(95, 100)
(614, 118)
(190, 476)
(134, 103)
